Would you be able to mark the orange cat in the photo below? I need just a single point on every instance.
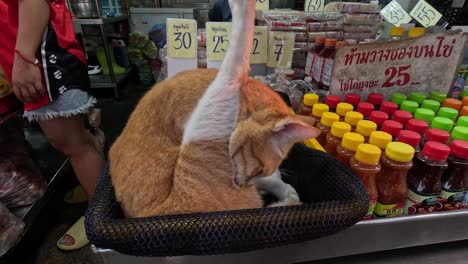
(199, 141)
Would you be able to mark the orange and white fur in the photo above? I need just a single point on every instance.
(206, 140)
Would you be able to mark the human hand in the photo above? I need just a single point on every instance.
(26, 79)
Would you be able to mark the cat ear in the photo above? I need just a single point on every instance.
(291, 130)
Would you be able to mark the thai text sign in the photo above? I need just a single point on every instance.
(421, 64)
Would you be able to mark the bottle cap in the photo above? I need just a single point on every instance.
(380, 139)
(465, 100)
(341, 43)
(365, 108)
(438, 135)
(416, 32)
(332, 101)
(417, 97)
(375, 98)
(330, 42)
(462, 121)
(368, 154)
(431, 105)
(343, 108)
(418, 126)
(310, 99)
(409, 106)
(442, 123)
(398, 98)
(459, 149)
(460, 132)
(464, 111)
(353, 118)
(338, 129)
(463, 94)
(319, 108)
(366, 127)
(402, 116)
(436, 151)
(329, 118)
(352, 98)
(447, 112)
(424, 114)
(397, 31)
(409, 137)
(452, 103)
(378, 117)
(437, 96)
(392, 127)
(351, 141)
(388, 107)
(320, 40)
(400, 152)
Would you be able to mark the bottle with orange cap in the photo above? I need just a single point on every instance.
(308, 103)
(342, 109)
(325, 125)
(312, 54)
(335, 136)
(366, 166)
(348, 146)
(452, 103)
(321, 60)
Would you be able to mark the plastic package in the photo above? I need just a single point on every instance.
(301, 37)
(324, 26)
(360, 29)
(202, 57)
(322, 16)
(10, 229)
(288, 26)
(300, 46)
(345, 7)
(361, 19)
(359, 36)
(201, 37)
(338, 35)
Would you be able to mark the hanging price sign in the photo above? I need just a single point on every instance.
(181, 38)
(314, 5)
(260, 46)
(217, 40)
(262, 5)
(395, 14)
(280, 49)
(425, 14)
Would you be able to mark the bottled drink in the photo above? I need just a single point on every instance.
(455, 178)
(452, 103)
(411, 138)
(318, 110)
(308, 102)
(437, 96)
(325, 125)
(348, 147)
(437, 135)
(460, 133)
(376, 99)
(380, 139)
(355, 99)
(398, 98)
(402, 117)
(392, 127)
(418, 126)
(365, 109)
(353, 118)
(332, 101)
(431, 105)
(335, 136)
(417, 97)
(378, 117)
(312, 54)
(342, 109)
(389, 108)
(321, 57)
(365, 128)
(409, 106)
(448, 112)
(424, 114)
(442, 123)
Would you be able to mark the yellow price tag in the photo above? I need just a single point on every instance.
(217, 39)
(395, 13)
(260, 46)
(182, 38)
(280, 49)
(314, 5)
(425, 14)
(262, 5)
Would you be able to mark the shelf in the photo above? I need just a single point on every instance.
(104, 80)
(98, 21)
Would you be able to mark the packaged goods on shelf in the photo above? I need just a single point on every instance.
(358, 36)
(301, 37)
(338, 35)
(360, 29)
(300, 46)
(361, 19)
(345, 7)
(322, 16)
(288, 26)
(201, 37)
(201, 56)
(324, 26)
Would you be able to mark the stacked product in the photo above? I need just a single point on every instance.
(201, 54)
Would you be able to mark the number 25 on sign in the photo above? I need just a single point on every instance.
(181, 38)
(314, 5)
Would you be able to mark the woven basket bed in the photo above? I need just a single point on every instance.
(333, 197)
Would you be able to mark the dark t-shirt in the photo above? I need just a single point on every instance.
(221, 12)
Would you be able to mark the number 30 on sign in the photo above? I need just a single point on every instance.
(182, 38)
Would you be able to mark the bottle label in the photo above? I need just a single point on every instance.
(372, 203)
(310, 63)
(389, 210)
(419, 203)
(327, 71)
(318, 68)
(452, 199)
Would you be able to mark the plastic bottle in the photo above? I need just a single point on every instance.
(460, 133)
(376, 99)
(462, 121)
(325, 125)
(448, 112)
(424, 179)
(365, 128)
(353, 118)
(442, 123)
(464, 111)
(398, 98)
(391, 181)
(431, 105)
(409, 106)
(348, 147)
(396, 33)
(328, 54)
(417, 97)
(437, 96)
(411, 138)
(424, 115)
(389, 108)
(454, 179)
(342, 109)
(312, 54)
(332, 101)
(465, 100)
(392, 127)
(353, 99)
(418, 126)
(321, 57)
(378, 117)
(380, 139)
(452, 103)
(365, 109)
(416, 32)
(308, 102)
(463, 94)
(402, 117)
(437, 135)
(366, 166)
(318, 110)
(335, 136)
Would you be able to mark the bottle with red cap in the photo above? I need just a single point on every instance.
(418, 126)
(402, 116)
(424, 179)
(332, 101)
(411, 138)
(389, 108)
(454, 179)
(353, 99)
(437, 135)
(365, 109)
(392, 127)
(376, 99)
(378, 117)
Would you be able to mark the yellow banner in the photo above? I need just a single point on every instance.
(217, 39)
(182, 38)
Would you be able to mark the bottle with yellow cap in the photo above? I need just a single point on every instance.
(308, 102)
(342, 109)
(396, 33)
(365, 128)
(348, 146)
(391, 182)
(352, 118)
(335, 136)
(366, 165)
(318, 110)
(380, 139)
(416, 32)
(325, 125)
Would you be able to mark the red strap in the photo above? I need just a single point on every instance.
(35, 61)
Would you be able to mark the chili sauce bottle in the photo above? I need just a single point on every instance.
(380, 139)
(437, 135)
(353, 99)
(365, 128)
(342, 109)
(464, 110)
(378, 117)
(366, 166)
(335, 136)
(431, 105)
(365, 109)
(328, 55)
(460, 133)
(411, 138)
(348, 147)
(308, 102)
(376, 99)
(402, 117)
(437, 96)
(318, 110)
(332, 101)
(462, 121)
(312, 54)
(353, 118)
(409, 106)
(424, 114)
(417, 97)
(455, 178)
(398, 98)
(455, 104)
(325, 125)
(321, 60)
(418, 126)
(392, 127)
(442, 123)
(448, 112)
(424, 179)
(389, 108)
(391, 181)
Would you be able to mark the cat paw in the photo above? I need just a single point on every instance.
(291, 195)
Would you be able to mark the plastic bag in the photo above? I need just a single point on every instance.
(10, 229)
(362, 19)
(324, 26)
(345, 7)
